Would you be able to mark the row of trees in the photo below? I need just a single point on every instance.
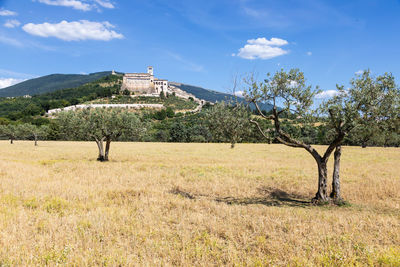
(24, 131)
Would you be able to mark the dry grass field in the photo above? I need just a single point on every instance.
(160, 204)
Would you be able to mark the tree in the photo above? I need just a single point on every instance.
(367, 98)
(178, 132)
(169, 112)
(160, 115)
(33, 131)
(101, 125)
(229, 123)
(369, 105)
(11, 131)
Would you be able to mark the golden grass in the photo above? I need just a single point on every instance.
(193, 205)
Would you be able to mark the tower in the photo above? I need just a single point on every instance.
(150, 70)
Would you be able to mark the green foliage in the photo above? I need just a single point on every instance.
(162, 95)
(20, 107)
(170, 112)
(160, 115)
(229, 123)
(367, 111)
(178, 132)
(100, 123)
(11, 131)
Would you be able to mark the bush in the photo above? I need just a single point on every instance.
(160, 115)
(170, 112)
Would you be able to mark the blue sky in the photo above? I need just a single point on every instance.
(202, 42)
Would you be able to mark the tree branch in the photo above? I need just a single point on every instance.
(259, 128)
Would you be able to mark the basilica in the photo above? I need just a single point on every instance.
(144, 83)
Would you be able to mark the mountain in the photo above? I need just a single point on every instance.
(213, 96)
(50, 83)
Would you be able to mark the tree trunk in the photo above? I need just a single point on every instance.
(363, 144)
(35, 140)
(101, 150)
(108, 143)
(11, 141)
(335, 194)
(322, 194)
(232, 145)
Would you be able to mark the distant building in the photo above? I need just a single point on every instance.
(144, 83)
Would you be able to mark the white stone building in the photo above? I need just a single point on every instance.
(144, 83)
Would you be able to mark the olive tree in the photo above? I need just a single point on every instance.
(101, 125)
(229, 122)
(32, 131)
(367, 97)
(11, 131)
(369, 106)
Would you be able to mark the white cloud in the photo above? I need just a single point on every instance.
(309, 53)
(68, 3)
(78, 4)
(239, 93)
(327, 94)
(359, 72)
(4, 12)
(74, 30)
(105, 4)
(12, 23)
(262, 48)
(10, 41)
(6, 82)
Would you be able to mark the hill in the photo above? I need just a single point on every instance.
(50, 83)
(55, 82)
(212, 96)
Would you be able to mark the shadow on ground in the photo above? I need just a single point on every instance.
(267, 196)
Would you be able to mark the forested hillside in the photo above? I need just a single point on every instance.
(50, 83)
(213, 96)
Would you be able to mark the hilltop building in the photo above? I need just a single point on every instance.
(144, 83)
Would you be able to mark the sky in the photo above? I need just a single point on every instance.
(200, 42)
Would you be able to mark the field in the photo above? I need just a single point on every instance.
(160, 204)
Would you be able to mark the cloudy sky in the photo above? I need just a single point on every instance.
(200, 42)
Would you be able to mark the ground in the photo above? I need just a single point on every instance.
(193, 204)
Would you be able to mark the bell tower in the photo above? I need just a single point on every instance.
(150, 70)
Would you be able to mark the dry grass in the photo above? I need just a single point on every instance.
(193, 204)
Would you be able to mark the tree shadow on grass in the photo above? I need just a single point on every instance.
(267, 196)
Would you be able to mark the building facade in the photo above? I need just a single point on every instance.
(144, 83)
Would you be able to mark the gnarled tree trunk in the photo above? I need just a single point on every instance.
(335, 194)
(101, 150)
(108, 143)
(322, 194)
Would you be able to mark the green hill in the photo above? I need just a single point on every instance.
(50, 83)
(213, 96)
